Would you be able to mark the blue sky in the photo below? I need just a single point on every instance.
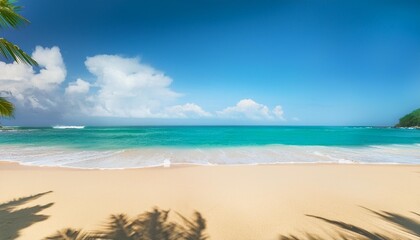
(219, 62)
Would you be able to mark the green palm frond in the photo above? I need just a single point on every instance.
(9, 16)
(6, 108)
(11, 51)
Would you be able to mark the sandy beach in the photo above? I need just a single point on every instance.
(238, 202)
(209, 120)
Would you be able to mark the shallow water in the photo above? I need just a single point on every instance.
(125, 147)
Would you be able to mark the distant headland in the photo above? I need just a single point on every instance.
(411, 120)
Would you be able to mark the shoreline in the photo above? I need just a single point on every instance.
(226, 156)
(238, 202)
(181, 165)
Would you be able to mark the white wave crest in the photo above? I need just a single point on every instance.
(166, 157)
(68, 127)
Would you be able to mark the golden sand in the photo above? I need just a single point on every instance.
(238, 202)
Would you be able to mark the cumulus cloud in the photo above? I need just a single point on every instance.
(121, 87)
(77, 87)
(248, 108)
(278, 112)
(31, 87)
(53, 71)
(125, 87)
(186, 110)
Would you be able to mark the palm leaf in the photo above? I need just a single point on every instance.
(9, 16)
(6, 108)
(11, 51)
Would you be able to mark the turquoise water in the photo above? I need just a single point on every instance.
(149, 146)
(138, 137)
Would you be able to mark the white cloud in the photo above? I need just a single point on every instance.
(186, 110)
(128, 88)
(278, 112)
(125, 87)
(53, 72)
(121, 87)
(248, 108)
(78, 87)
(33, 88)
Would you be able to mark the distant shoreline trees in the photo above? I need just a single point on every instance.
(410, 120)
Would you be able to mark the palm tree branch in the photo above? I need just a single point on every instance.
(9, 16)
(11, 51)
(6, 108)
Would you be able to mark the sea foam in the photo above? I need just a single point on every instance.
(152, 157)
(68, 127)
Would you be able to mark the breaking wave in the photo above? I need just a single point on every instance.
(162, 156)
(68, 127)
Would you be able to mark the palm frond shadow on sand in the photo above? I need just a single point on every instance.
(13, 218)
(152, 225)
(403, 228)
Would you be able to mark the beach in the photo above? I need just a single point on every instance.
(238, 202)
(209, 120)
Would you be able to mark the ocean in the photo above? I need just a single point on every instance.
(136, 147)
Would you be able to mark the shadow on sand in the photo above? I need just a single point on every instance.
(152, 225)
(13, 218)
(403, 228)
